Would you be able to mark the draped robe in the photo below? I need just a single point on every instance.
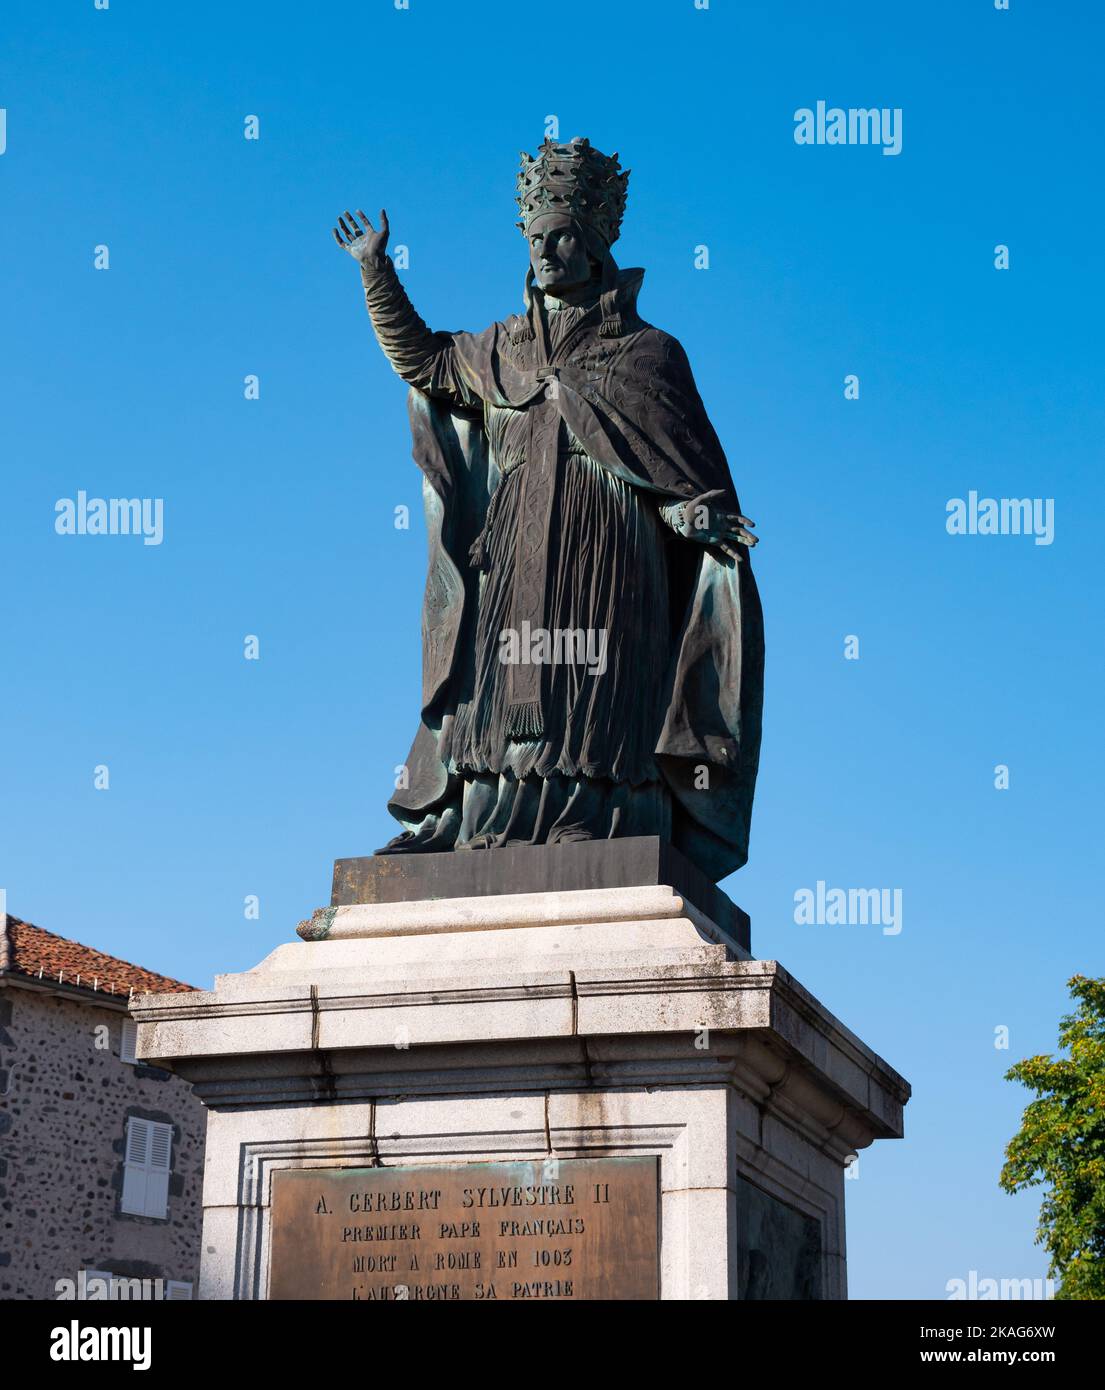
(555, 447)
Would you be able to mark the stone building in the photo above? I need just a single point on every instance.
(101, 1156)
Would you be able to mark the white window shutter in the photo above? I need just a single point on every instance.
(138, 1141)
(136, 1167)
(128, 1040)
(149, 1161)
(160, 1166)
(177, 1289)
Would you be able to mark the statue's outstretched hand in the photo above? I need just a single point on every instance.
(704, 521)
(364, 243)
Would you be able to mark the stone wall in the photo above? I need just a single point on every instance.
(65, 1097)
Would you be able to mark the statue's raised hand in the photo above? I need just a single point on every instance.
(364, 243)
(704, 521)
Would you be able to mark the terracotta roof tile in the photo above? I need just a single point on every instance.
(28, 950)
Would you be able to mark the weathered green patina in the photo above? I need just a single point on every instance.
(592, 632)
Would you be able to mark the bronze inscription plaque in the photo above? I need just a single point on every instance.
(580, 1228)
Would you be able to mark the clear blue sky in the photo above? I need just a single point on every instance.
(228, 777)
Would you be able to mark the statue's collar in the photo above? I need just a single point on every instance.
(557, 306)
(625, 291)
(628, 287)
(617, 306)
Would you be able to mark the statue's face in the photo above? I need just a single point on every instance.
(558, 255)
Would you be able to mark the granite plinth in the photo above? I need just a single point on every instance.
(537, 1028)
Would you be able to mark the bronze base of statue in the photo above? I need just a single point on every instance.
(572, 866)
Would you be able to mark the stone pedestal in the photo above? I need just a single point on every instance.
(549, 1026)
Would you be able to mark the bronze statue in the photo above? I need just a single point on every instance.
(592, 634)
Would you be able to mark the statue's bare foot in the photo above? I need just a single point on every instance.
(406, 843)
(409, 842)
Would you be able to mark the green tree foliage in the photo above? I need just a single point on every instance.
(1061, 1143)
